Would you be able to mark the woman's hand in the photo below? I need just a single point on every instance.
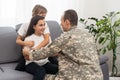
(26, 52)
(29, 43)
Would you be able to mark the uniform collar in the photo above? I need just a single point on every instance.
(73, 27)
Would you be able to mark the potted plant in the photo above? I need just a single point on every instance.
(106, 32)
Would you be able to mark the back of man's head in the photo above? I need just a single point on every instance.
(72, 16)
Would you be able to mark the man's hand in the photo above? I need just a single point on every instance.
(56, 54)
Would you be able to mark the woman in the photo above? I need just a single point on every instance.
(41, 11)
(35, 33)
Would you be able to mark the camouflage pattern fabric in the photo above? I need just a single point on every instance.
(50, 77)
(79, 59)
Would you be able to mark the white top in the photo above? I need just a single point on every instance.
(37, 40)
(24, 27)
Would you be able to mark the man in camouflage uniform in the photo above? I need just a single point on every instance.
(76, 51)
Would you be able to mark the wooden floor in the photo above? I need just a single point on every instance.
(114, 78)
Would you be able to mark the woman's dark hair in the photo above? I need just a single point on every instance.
(33, 22)
(72, 16)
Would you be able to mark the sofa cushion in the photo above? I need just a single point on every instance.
(18, 26)
(8, 66)
(16, 75)
(103, 59)
(55, 29)
(9, 50)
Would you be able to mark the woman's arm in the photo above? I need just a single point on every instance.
(26, 48)
(25, 51)
(20, 41)
(44, 42)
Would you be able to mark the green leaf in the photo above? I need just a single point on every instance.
(103, 50)
(117, 23)
(104, 17)
(112, 45)
(117, 12)
(101, 22)
(93, 18)
(106, 32)
(82, 20)
(102, 29)
(118, 33)
(109, 46)
(98, 35)
(101, 39)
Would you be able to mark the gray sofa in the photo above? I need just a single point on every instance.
(10, 53)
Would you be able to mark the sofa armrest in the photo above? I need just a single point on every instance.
(1, 69)
(18, 26)
(103, 59)
(104, 66)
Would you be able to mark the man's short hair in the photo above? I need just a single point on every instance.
(72, 16)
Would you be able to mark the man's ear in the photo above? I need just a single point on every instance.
(67, 22)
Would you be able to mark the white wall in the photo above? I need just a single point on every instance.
(17, 11)
(98, 8)
(7, 12)
(55, 8)
(13, 12)
(93, 8)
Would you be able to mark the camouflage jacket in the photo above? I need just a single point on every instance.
(79, 58)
